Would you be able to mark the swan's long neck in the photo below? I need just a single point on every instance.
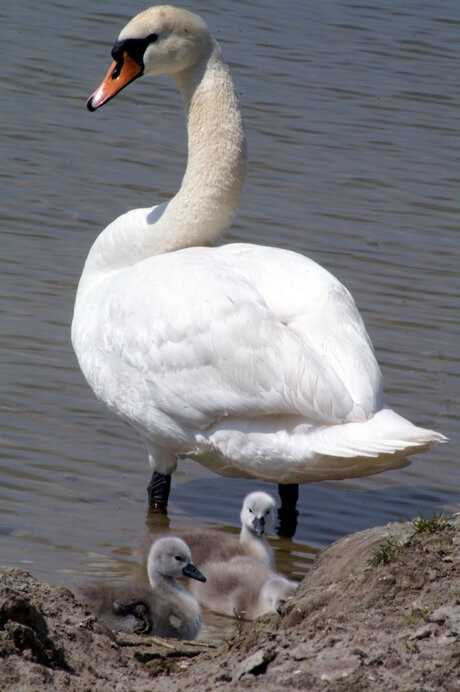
(156, 579)
(256, 546)
(205, 204)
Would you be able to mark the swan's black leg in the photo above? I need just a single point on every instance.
(287, 512)
(158, 491)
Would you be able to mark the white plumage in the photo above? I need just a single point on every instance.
(252, 360)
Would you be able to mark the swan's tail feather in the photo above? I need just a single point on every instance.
(352, 450)
(385, 433)
(331, 452)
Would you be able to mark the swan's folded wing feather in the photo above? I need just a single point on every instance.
(201, 343)
(311, 302)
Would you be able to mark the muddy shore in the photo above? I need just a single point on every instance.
(380, 610)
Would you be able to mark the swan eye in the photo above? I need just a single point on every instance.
(250, 509)
(178, 557)
(267, 512)
(152, 38)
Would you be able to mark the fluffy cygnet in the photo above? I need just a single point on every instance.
(242, 586)
(257, 514)
(163, 607)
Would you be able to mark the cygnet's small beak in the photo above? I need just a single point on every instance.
(120, 74)
(258, 526)
(193, 572)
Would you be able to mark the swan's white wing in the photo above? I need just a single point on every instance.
(317, 307)
(195, 340)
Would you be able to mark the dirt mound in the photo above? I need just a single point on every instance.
(380, 610)
(48, 641)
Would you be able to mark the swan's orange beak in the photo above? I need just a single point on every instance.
(120, 74)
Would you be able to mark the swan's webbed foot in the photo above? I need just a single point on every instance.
(158, 491)
(287, 512)
(138, 610)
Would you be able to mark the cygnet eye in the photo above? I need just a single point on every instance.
(250, 509)
(267, 512)
(178, 557)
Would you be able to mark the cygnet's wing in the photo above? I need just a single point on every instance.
(100, 598)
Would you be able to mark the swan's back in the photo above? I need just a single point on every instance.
(241, 586)
(202, 544)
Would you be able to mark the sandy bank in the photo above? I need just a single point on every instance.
(352, 625)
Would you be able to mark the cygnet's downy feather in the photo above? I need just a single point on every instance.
(242, 586)
(162, 607)
(257, 515)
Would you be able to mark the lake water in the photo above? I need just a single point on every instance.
(352, 113)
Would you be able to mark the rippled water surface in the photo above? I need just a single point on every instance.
(352, 112)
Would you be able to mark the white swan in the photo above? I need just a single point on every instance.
(252, 360)
(242, 586)
(162, 608)
(257, 514)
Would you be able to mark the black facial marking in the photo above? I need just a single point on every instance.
(135, 47)
(117, 70)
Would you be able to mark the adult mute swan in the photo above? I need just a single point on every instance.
(162, 607)
(252, 360)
